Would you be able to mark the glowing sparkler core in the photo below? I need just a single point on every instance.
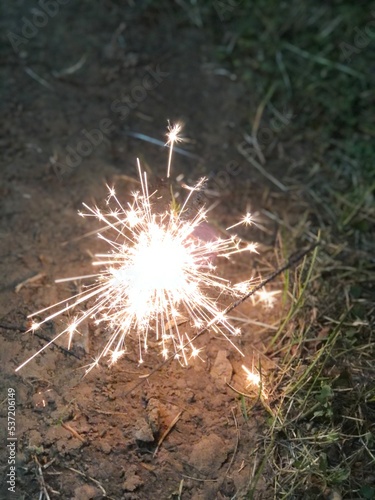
(157, 269)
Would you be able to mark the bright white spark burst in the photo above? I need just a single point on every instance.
(254, 379)
(156, 270)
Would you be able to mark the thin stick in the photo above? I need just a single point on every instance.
(173, 423)
(40, 477)
(89, 477)
(73, 431)
(122, 413)
(38, 78)
(294, 259)
(259, 112)
(237, 443)
(36, 277)
(71, 69)
(39, 335)
(260, 169)
(239, 392)
(147, 138)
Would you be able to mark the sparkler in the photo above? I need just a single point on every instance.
(157, 274)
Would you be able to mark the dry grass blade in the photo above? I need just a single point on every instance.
(90, 478)
(165, 434)
(237, 442)
(44, 495)
(34, 278)
(72, 431)
(261, 169)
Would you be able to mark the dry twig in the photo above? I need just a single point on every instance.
(89, 477)
(43, 487)
(172, 424)
(236, 445)
(73, 432)
(22, 329)
(36, 277)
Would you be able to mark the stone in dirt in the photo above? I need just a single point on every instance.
(153, 415)
(208, 454)
(222, 370)
(87, 492)
(143, 432)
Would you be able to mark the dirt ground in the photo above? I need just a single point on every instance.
(122, 69)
